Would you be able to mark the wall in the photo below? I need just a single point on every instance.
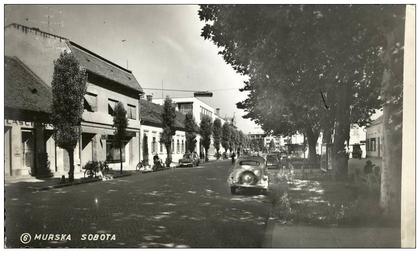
(374, 132)
(36, 49)
(152, 131)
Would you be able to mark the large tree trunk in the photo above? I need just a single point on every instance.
(312, 139)
(392, 122)
(71, 162)
(168, 160)
(341, 132)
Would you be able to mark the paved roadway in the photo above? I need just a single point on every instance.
(185, 207)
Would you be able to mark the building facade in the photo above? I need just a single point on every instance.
(151, 134)
(107, 84)
(198, 109)
(374, 139)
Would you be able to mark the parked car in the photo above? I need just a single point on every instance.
(189, 159)
(272, 161)
(248, 172)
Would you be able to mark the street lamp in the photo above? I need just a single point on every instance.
(203, 94)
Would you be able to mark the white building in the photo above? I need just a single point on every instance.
(198, 108)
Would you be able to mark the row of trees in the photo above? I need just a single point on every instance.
(225, 135)
(318, 68)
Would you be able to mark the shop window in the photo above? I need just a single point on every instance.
(113, 151)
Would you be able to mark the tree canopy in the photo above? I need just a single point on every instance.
(305, 71)
(68, 90)
(206, 132)
(120, 125)
(168, 124)
(190, 132)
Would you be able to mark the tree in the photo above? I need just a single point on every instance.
(206, 132)
(120, 125)
(217, 134)
(168, 125)
(68, 90)
(226, 136)
(272, 146)
(190, 132)
(232, 139)
(305, 71)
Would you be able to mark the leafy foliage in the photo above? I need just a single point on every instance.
(68, 90)
(120, 125)
(190, 132)
(217, 134)
(305, 71)
(168, 124)
(206, 132)
(225, 140)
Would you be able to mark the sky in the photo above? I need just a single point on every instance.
(161, 44)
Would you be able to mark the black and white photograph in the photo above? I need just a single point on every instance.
(197, 125)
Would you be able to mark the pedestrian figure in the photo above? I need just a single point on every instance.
(233, 157)
(368, 167)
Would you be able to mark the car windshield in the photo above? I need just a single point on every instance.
(187, 156)
(249, 162)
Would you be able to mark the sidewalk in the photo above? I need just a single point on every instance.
(313, 210)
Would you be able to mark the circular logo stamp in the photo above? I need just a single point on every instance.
(25, 238)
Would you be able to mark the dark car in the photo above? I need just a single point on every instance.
(272, 161)
(189, 159)
(248, 172)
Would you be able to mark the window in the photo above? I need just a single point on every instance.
(161, 144)
(132, 112)
(373, 142)
(154, 145)
(113, 151)
(205, 112)
(111, 106)
(185, 107)
(172, 146)
(182, 146)
(177, 146)
(90, 102)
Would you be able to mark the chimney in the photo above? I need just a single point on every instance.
(149, 98)
(218, 111)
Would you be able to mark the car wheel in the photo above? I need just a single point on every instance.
(264, 191)
(233, 190)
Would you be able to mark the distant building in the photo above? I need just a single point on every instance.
(199, 109)
(151, 133)
(107, 84)
(374, 138)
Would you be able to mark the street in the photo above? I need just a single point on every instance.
(182, 207)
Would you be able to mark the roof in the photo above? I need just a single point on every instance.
(103, 67)
(377, 121)
(151, 113)
(23, 90)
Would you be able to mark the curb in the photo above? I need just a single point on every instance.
(79, 182)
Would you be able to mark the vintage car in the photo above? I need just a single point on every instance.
(248, 172)
(189, 159)
(272, 161)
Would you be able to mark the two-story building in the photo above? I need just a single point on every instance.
(107, 84)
